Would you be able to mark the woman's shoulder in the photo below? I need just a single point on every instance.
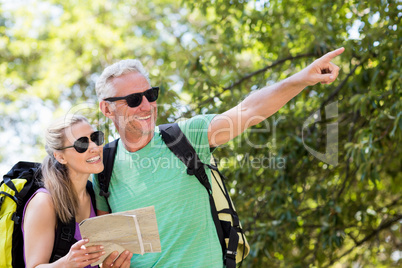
(39, 213)
(41, 201)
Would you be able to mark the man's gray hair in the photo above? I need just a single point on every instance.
(104, 88)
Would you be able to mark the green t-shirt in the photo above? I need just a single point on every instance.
(154, 176)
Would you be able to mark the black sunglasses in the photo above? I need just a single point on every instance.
(81, 144)
(135, 99)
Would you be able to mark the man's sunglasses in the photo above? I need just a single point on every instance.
(81, 145)
(135, 99)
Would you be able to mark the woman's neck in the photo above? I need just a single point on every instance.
(79, 182)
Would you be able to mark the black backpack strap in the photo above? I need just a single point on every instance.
(10, 185)
(91, 192)
(177, 142)
(109, 153)
(63, 240)
(64, 237)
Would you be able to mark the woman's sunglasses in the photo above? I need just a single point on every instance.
(81, 145)
(135, 99)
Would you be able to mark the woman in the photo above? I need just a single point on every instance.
(74, 152)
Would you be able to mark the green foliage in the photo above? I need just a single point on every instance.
(207, 56)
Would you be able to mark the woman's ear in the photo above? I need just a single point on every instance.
(106, 109)
(59, 156)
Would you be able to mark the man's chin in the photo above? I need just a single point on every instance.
(147, 130)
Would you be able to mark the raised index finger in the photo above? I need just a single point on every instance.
(330, 55)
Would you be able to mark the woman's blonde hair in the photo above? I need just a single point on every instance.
(55, 175)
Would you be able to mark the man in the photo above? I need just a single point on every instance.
(147, 173)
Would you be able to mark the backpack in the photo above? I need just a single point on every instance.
(18, 185)
(230, 233)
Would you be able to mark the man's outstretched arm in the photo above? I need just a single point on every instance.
(268, 100)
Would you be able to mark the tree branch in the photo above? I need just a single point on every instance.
(281, 61)
(353, 238)
(393, 203)
(384, 225)
(350, 135)
(250, 75)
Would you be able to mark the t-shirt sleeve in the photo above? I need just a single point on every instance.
(196, 131)
(100, 200)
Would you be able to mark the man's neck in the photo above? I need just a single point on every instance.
(133, 144)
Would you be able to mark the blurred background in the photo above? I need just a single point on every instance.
(207, 56)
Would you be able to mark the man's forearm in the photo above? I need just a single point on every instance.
(268, 100)
(252, 110)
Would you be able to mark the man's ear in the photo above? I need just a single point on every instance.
(106, 109)
(59, 157)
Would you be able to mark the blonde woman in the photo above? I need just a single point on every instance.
(74, 151)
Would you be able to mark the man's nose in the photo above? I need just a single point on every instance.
(145, 105)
